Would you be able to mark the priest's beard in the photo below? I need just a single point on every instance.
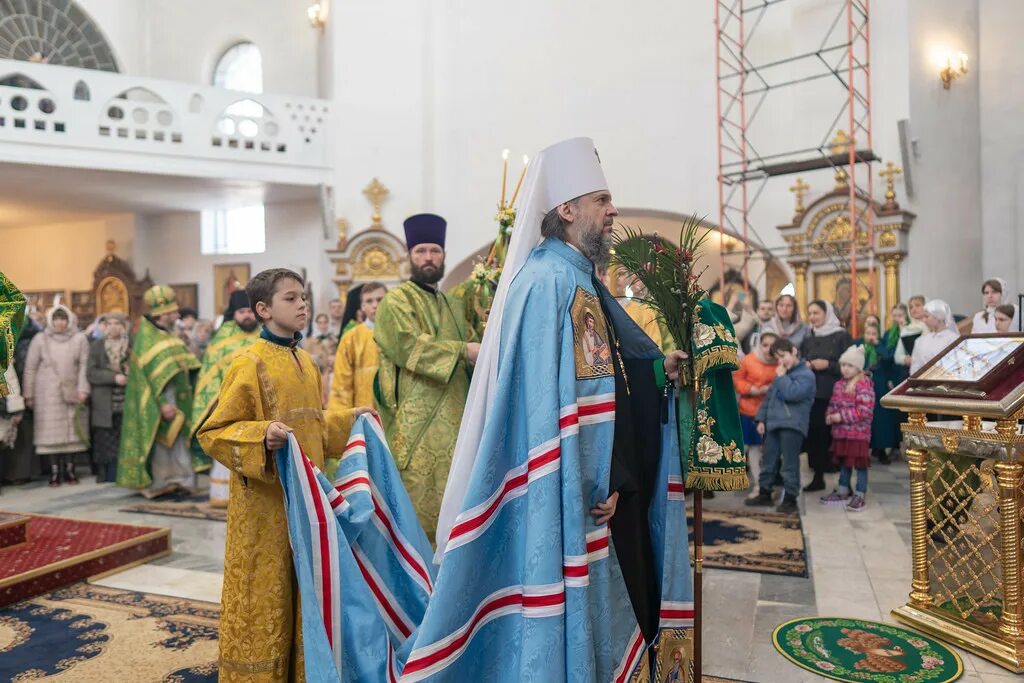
(248, 325)
(428, 275)
(596, 245)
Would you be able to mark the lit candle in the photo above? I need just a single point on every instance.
(504, 177)
(526, 162)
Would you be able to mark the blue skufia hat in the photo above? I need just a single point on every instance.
(425, 228)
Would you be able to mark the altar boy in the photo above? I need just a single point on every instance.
(272, 389)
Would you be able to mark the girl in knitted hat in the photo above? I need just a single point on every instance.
(849, 413)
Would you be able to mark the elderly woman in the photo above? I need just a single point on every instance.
(56, 389)
(107, 373)
(822, 347)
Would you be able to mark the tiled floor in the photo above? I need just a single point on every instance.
(860, 567)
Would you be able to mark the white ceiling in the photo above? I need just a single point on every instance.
(50, 194)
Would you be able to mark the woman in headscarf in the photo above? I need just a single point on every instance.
(787, 323)
(56, 389)
(107, 373)
(994, 292)
(822, 347)
(941, 333)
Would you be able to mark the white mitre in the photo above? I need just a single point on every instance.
(558, 174)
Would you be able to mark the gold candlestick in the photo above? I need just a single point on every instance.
(522, 174)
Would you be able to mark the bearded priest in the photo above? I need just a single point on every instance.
(426, 351)
(562, 535)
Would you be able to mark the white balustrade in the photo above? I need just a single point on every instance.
(57, 115)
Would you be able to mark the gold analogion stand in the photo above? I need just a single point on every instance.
(966, 479)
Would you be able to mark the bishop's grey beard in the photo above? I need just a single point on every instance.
(596, 246)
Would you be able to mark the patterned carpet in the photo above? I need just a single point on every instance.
(752, 541)
(87, 633)
(195, 506)
(61, 551)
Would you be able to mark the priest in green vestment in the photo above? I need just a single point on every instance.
(238, 331)
(154, 456)
(12, 316)
(427, 350)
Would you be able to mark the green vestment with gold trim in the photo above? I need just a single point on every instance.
(12, 317)
(159, 360)
(421, 388)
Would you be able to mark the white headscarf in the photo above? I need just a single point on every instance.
(940, 310)
(831, 324)
(559, 173)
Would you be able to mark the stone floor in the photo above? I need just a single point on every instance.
(859, 566)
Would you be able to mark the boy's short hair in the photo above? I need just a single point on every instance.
(188, 313)
(919, 298)
(1007, 309)
(782, 346)
(261, 288)
(371, 287)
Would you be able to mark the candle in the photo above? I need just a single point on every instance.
(526, 162)
(504, 177)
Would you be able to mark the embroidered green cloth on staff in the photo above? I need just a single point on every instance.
(710, 431)
(158, 360)
(12, 317)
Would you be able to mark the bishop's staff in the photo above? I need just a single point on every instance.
(709, 428)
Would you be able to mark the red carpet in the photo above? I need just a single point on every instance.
(61, 551)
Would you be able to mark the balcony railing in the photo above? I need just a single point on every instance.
(173, 126)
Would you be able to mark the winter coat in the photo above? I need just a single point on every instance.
(753, 373)
(787, 405)
(54, 374)
(101, 377)
(855, 410)
(829, 348)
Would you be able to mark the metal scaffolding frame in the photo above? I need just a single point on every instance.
(742, 89)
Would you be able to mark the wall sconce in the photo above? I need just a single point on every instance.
(953, 67)
(317, 13)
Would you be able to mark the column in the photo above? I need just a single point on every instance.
(800, 284)
(892, 280)
(917, 459)
(1008, 474)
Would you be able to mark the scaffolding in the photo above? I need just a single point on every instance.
(744, 86)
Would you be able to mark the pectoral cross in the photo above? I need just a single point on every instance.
(799, 188)
(376, 193)
(889, 175)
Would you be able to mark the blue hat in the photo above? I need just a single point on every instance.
(425, 228)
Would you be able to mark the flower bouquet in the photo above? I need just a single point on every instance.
(668, 275)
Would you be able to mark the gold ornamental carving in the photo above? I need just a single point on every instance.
(112, 296)
(891, 262)
(375, 263)
(950, 442)
(376, 193)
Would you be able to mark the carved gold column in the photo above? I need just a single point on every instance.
(892, 280)
(1008, 474)
(800, 283)
(917, 459)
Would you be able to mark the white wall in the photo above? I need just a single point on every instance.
(455, 81)
(181, 40)
(62, 255)
(998, 69)
(945, 244)
(169, 246)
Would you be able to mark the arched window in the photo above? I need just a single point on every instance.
(240, 68)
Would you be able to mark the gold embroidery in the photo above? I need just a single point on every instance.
(703, 334)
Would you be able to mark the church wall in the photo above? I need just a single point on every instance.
(945, 249)
(169, 246)
(62, 255)
(998, 70)
(455, 82)
(182, 40)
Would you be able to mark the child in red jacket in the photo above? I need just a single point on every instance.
(849, 412)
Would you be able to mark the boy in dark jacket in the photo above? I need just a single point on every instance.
(782, 421)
